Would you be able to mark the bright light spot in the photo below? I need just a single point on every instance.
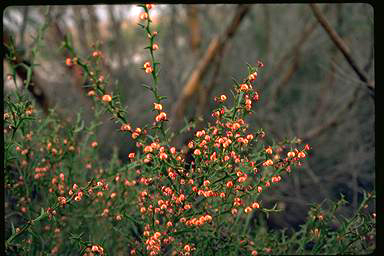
(137, 58)
(134, 12)
(102, 12)
(180, 41)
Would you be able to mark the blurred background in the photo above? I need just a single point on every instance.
(308, 88)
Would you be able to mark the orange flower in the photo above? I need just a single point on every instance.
(98, 249)
(252, 77)
(161, 117)
(107, 98)
(157, 235)
(96, 54)
(291, 154)
(62, 176)
(255, 205)
(248, 209)
(68, 62)
(200, 133)
(158, 106)
(197, 152)
(62, 200)
(244, 87)
(269, 162)
(187, 248)
(148, 149)
(275, 179)
(208, 218)
(301, 155)
(125, 127)
(113, 195)
(268, 150)
(155, 47)
(242, 179)
(235, 126)
(163, 156)
(147, 64)
(143, 16)
(149, 70)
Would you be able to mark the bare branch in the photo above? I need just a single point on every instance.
(34, 87)
(303, 38)
(215, 46)
(24, 25)
(341, 45)
(332, 121)
(194, 27)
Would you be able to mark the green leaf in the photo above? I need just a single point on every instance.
(147, 87)
(79, 128)
(13, 228)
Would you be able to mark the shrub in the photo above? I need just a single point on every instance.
(198, 200)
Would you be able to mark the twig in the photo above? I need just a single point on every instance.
(203, 65)
(276, 91)
(194, 27)
(207, 92)
(23, 26)
(340, 44)
(304, 36)
(333, 120)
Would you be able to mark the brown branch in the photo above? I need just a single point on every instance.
(24, 25)
(326, 87)
(215, 46)
(94, 21)
(267, 20)
(332, 121)
(34, 88)
(117, 37)
(205, 93)
(58, 32)
(341, 45)
(194, 27)
(330, 79)
(286, 78)
(80, 27)
(303, 38)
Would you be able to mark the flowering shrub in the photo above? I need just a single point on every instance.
(195, 201)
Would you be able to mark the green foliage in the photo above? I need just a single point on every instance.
(202, 200)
